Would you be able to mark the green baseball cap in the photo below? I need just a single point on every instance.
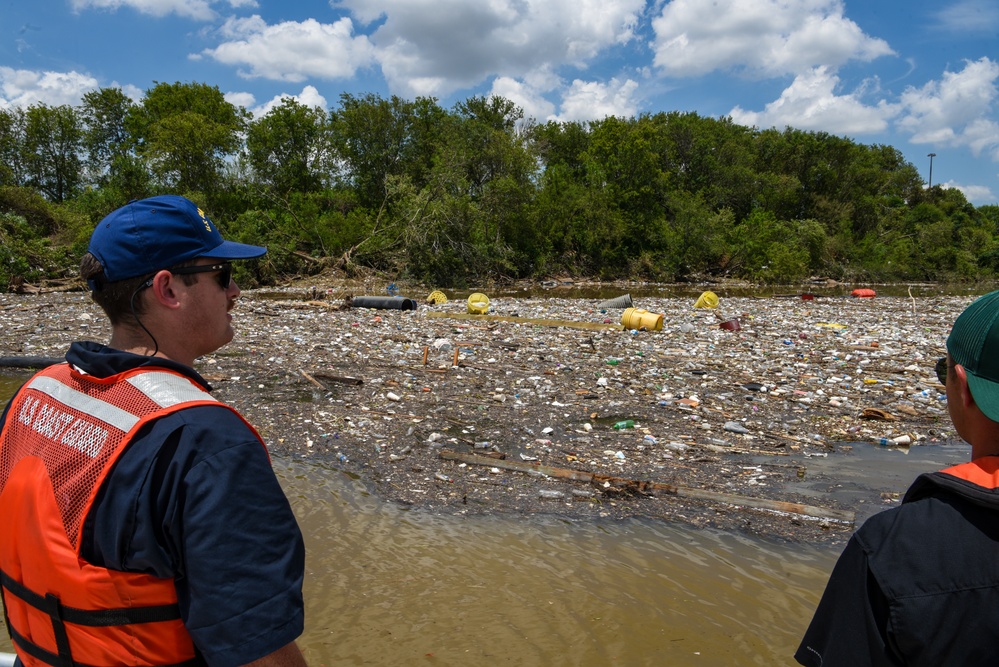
(974, 343)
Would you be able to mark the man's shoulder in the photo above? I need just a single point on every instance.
(939, 509)
(217, 415)
(193, 435)
(941, 537)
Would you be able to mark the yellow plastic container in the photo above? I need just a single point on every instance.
(707, 300)
(639, 318)
(437, 297)
(478, 304)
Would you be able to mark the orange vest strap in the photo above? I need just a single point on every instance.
(55, 660)
(61, 614)
(98, 618)
(37, 652)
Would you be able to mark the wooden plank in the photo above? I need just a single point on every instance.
(681, 491)
(592, 326)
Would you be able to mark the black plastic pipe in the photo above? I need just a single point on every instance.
(383, 302)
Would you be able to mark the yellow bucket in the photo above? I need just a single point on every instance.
(478, 304)
(707, 300)
(437, 297)
(639, 318)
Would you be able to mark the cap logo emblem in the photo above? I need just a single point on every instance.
(204, 219)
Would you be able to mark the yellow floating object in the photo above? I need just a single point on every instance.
(707, 300)
(478, 304)
(639, 318)
(831, 325)
(437, 297)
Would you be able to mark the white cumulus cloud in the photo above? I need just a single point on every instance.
(434, 47)
(292, 51)
(976, 194)
(970, 16)
(22, 88)
(309, 97)
(592, 100)
(200, 10)
(759, 37)
(812, 103)
(240, 99)
(957, 110)
(525, 96)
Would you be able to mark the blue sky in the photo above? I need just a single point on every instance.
(921, 76)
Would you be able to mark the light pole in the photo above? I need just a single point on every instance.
(931, 156)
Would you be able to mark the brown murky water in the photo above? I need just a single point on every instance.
(389, 586)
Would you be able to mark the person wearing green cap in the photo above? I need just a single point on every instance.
(919, 584)
(142, 521)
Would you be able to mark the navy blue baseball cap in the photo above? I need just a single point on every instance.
(147, 235)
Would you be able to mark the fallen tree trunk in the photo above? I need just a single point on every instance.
(681, 491)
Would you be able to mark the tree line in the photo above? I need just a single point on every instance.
(476, 192)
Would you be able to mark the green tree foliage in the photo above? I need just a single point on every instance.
(38, 238)
(52, 140)
(13, 123)
(288, 149)
(106, 140)
(476, 192)
(112, 165)
(185, 131)
(377, 138)
(492, 168)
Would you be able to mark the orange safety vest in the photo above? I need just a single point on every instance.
(63, 433)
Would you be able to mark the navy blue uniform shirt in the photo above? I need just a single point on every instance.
(194, 497)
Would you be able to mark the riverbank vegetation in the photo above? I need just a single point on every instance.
(476, 192)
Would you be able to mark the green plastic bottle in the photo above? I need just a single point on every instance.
(627, 423)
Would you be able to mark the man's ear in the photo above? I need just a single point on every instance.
(963, 390)
(164, 289)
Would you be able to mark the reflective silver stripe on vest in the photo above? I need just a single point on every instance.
(116, 417)
(167, 389)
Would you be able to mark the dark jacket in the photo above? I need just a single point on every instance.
(917, 584)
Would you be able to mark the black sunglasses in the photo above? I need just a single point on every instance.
(941, 369)
(224, 269)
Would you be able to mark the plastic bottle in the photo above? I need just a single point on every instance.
(894, 442)
(627, 423)
(735, 427)
(613, 362)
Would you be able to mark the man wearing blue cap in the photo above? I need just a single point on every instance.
(919, 584)
(142, 522)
